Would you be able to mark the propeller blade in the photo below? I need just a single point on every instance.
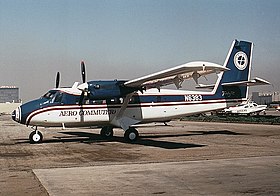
(82, 98)
(57, 80)
(83, 69)
(83, 87)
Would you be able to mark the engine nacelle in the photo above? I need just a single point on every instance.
(100, 90)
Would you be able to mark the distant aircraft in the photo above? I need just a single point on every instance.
(247, 108)
(121, 103)
(278, 108)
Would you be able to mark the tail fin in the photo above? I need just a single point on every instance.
(239, 60)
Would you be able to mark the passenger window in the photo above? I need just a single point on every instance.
(134, 100)
(113, 101)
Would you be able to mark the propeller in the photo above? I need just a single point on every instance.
(83, 87)
(82, 96)
(83, 71)
(57, 80)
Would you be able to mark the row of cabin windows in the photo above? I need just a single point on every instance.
(60, 97)
(64, 98)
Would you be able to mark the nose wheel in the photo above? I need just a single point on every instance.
(35, 137)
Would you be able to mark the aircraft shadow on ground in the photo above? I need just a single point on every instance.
(93, 138)
(194, 133)
(86, 137)
(146, 140)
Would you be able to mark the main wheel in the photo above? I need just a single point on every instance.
(131, 134)
(35, 137)
(107, 132)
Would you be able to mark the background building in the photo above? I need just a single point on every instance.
(9, 99)
(262, 99)
(9, 94)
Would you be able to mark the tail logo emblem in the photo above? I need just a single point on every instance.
(240, 60)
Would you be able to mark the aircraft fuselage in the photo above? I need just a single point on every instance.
(63, 109)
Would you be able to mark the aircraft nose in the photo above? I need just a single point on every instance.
(16, 114)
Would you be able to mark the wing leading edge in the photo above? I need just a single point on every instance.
(176, 75)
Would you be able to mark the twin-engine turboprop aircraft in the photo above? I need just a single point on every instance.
(121, 103)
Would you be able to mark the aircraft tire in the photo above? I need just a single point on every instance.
(35, 137)
(131, 135)
(107, 132)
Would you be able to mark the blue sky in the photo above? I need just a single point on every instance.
(125, 39)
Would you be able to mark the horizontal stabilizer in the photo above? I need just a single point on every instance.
(254, 82)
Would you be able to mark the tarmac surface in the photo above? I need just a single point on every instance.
(183, 158)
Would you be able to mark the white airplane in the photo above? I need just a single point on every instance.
(120, 103)
(247, 108)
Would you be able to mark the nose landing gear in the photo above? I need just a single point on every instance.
(35, 136)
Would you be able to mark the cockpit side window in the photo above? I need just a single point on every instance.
(57, 98)
(49, 94)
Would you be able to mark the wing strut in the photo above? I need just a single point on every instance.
(124, 106)
(123, 121)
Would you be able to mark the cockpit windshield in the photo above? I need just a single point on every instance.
(49, 95)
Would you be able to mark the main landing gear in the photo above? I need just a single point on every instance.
(130, 135)
(107, 132)
(35, 136)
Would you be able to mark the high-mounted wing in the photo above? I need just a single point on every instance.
(176, 75)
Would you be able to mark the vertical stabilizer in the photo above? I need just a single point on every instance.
(238, 60)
